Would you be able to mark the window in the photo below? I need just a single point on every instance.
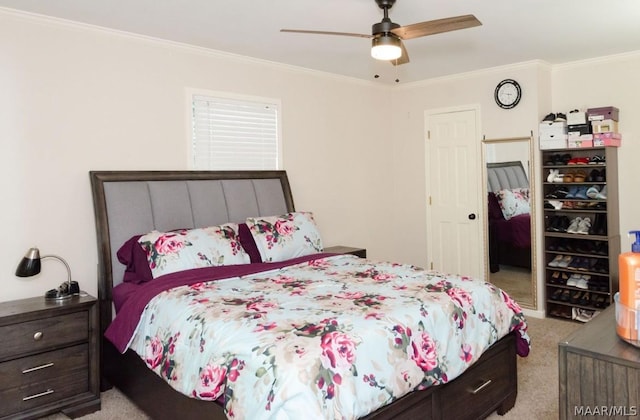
(233, 133)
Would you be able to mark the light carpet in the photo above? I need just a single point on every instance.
(537, 380)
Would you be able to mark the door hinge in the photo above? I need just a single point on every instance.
(428, 134)
(429, 200)
(431, 265)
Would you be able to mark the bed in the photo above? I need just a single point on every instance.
(130, 203)
(509, 218)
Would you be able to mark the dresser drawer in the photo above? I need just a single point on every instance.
(44, 378)
(483, 384)
(42, 334)
(34, 369)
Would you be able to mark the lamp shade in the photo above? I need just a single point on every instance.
(30, 264)
(386, 47)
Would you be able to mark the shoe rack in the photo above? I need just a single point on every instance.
(582, 230)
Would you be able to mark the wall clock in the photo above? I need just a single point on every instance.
(508, 94)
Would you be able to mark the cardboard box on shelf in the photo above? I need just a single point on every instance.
(603, 113)
(607, 139)
(604, 126)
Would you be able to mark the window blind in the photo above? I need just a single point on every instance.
(234, 134)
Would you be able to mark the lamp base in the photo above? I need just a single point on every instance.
(57, 295)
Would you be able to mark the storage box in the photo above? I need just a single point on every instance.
(604, 126)
(576, 118)
(579, 128)
(573, 144)
(607, 139)
(553, 142)
(558, 126)
(552, 130)
(603, 113)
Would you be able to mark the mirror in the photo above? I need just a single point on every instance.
(510, 217)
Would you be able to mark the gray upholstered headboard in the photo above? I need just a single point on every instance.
(128, 203)
(506, 175)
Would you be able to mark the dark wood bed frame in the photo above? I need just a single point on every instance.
(489, 385)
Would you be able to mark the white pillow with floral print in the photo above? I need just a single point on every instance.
(281, 238)
(185, 249)
(514, 202)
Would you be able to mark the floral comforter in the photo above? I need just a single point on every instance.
(333, 338)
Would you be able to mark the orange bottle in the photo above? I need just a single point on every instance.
(628, 319)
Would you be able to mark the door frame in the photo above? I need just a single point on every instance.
(428, 113)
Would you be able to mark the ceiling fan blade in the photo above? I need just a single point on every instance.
(302, 31)
(437, 26)
(404, 58)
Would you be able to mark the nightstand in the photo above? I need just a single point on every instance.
(597, 371)
(49, 357)
(339, 249)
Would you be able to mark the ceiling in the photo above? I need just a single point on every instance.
(512, 31)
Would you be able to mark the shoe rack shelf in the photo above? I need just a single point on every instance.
(581, 239)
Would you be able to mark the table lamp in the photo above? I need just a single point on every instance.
(30, 266)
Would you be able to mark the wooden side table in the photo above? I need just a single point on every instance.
(49, 357)
(599, 372)
(339, 249)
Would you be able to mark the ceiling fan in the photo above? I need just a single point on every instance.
(387, 36)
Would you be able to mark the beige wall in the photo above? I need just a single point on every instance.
(75, 98)
(603, 82)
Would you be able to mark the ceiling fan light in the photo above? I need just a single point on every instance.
(386, 47)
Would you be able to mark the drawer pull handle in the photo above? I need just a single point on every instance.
(46, 365)
(42, 394)
(38, 336)
(481, 387)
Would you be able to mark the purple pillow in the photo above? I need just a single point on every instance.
(248, 243)
(134, 257)
(495, 212)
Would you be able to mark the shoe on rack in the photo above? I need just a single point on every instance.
(565, 246)
(602, 195)
(572, 192)
(592, 191)
(560, 117)
(573, 226)
(560, 192)
(583, 284)
(554, 159)
(582, 193)
(593, 175)
(579, 176)
(566, 260)
(552, 174)
(602, 248)
(549, 118)
(584, 315)
(568, 176)
(599, 225)
(584, 226)
(573, 280)
(556, 261)
(558, 177)
(555, 204)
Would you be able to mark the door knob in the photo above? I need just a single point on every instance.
(472, 216)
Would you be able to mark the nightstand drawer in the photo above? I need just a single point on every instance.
(41, 334)
(41, 367)
(30, 396)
